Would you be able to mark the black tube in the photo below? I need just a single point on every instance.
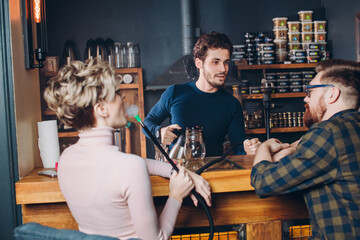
(156, 142)
(197, 195)
(221, 158)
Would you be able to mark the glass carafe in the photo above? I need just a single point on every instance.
(194, 148)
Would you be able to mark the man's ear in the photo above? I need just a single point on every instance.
(101, 110)
(198, 63)
(334, 94)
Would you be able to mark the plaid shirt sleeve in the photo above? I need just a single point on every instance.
(313, 163)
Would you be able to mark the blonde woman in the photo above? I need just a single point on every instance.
(109, 192)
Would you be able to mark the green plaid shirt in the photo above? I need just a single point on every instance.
(326, 167)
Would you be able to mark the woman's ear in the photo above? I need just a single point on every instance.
(101, 110)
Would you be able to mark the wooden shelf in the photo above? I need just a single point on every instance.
(274, 95)
(275, 66)
(129, 86)
(276, 130)
(127, 70)
(136, 141)
(68, 134)
(117, 70)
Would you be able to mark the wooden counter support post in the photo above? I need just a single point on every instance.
(264, 230)
(127, 140)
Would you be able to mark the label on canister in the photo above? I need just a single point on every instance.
(282, 89)
(296, 82)
(308, 74)
(254, 90)
(127, 78)
(296, 88)
(283, 83)
(313, 52)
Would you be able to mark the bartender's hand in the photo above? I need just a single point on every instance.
(167, 135)
(202, 187)
(251, 145)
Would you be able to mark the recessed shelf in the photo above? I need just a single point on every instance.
(276, 130)
(274, 95)
(275, 66)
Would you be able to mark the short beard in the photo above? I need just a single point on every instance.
(207, 77)
(312, 117)
(215, 85)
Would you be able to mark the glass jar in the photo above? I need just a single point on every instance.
(194, 148)
(137, 55)
(117, 46)
(131, 54)
(123, 55)
(236, 93)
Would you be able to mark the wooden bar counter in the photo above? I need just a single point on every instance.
(233, 202)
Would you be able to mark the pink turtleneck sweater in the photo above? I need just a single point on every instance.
(109, 192)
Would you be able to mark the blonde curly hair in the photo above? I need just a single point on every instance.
(78, 86)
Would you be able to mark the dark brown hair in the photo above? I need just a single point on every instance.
(342, 72)
(211, 40)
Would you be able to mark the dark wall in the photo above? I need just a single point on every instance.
(156, 25)
(341, 27)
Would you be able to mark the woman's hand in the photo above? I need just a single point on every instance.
(180, 184)
(251, 145)
(201, 186)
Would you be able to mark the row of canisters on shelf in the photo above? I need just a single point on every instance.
(304, 34)
(120, 55)
(311, 52)
(259, 49)
(127, 55)
(277, 120)
(282, 82)
(287, 119)
(253, 120)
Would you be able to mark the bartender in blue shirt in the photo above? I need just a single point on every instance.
(204, 103)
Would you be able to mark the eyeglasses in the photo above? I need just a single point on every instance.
(308, 87)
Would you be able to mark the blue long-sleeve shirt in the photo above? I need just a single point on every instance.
(218, 113)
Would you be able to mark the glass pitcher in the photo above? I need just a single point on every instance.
(194, 148)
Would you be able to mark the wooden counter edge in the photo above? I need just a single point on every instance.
(34, 189)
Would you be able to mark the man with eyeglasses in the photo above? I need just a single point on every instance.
(326, 162)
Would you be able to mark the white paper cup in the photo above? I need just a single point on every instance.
(48, 143)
